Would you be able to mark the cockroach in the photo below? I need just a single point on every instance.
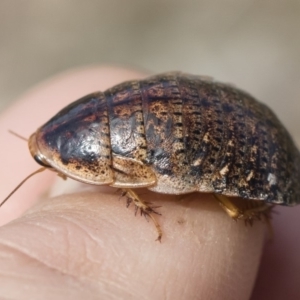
(175, 133)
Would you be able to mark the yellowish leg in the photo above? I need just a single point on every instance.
(63, 176)
(247, 210)
(144, 208)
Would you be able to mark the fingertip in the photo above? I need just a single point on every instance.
(203, 254)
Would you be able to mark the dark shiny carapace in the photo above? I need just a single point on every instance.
(173, 133)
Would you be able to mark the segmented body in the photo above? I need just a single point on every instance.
(190, 133)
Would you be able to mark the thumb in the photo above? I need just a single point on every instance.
(87, 244)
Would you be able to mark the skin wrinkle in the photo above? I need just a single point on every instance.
(35, 259)
(33, 290)
(44, 244)
(30, 221)
(177, 268)
(66, 253)
(31, 225)
(121, 284)
(80, 227)
(102, 282)
(38, 225)
(61, 213)
(83, 244)
(19, 274)
(157, 282)
(14, 274)
(128, 274)
(124, 278)
(63, 217)
(114, 286)
(87, 249)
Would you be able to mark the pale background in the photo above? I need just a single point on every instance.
(253, 44)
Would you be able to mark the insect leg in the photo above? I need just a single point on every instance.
(144, 208)
(247, 210)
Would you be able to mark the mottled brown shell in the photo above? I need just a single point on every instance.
(175, 133)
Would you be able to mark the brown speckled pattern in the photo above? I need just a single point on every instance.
(206, 136)
(186, 133)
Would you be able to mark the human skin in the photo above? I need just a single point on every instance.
(84, 244)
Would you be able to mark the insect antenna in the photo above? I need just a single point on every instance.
(21, 183)
(17, 135)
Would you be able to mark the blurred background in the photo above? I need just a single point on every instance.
(252, 44)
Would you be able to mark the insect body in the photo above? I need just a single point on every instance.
(175, 134)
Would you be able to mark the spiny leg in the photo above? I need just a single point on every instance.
(144, 207)
(247, 210)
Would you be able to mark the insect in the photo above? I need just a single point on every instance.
(175, 133)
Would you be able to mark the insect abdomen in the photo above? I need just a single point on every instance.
(199, 135)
